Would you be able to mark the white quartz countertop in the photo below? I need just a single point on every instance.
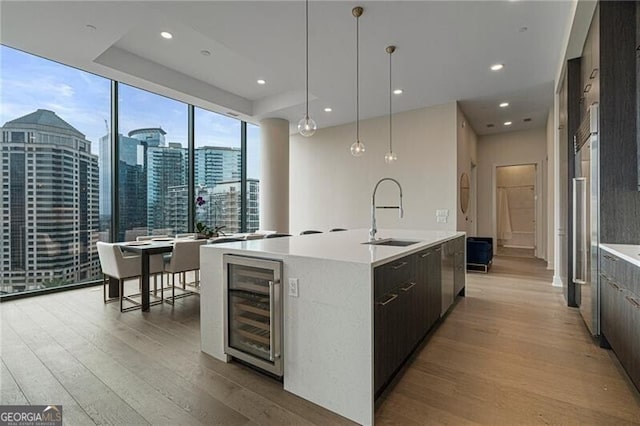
(343, 246)
(628, 252)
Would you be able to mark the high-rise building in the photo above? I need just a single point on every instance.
(128, 153)
(166, 168)
(216, 164)
(149, 137)
(50, 187)
(225, 199)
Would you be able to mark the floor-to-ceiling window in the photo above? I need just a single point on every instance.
(153, 166)
(54, 205)
(217, 170)
(57, 169)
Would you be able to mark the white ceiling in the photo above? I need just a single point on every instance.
(444, 50)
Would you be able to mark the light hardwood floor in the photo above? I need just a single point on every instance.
(509, 353)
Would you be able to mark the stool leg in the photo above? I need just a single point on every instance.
(121, 285)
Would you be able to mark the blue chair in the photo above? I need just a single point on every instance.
(479, 253)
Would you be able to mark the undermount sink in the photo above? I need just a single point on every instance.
(392, 242)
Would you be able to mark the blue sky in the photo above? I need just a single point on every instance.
(82, 99)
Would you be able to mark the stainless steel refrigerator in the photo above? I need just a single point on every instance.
(586, 220)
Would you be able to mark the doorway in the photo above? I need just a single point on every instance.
(516, 210)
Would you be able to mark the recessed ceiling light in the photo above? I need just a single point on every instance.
(166, 35)
(504, 104)
(398, 92)
(261, 81)
(91, 27)
(507, 123)
(205, 53)
(497, 67)
(328, 109)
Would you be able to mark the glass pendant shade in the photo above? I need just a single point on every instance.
(307, 126)
(390, 157)
(357, 149)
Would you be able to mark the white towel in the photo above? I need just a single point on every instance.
(504, 216)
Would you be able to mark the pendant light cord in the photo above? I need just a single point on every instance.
(390, 119)
(307, 56)
(357, 80)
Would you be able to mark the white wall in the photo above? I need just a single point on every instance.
(467, 142)
(522, 147)
(330, 188)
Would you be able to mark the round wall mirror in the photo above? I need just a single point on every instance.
(464, 192)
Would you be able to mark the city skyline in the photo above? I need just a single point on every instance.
(53, 190)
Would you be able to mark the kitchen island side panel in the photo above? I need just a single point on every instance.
(211, 304)
(327, 329)
(329, 336)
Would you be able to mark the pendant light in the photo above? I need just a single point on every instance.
(357, 149)
(390, 156)
(307, 126)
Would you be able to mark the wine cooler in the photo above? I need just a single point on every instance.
(253, 311)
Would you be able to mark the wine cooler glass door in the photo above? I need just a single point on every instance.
(253, 329)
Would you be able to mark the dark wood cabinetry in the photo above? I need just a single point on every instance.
(619, 196)
(459, 272)
(408, 301)
(620, 311)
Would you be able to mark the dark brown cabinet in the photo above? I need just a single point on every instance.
(620, 311)
(408, 301)
(459, 271)
(428, 273)
(394, 287)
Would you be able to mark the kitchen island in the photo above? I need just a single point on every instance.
(355, 314)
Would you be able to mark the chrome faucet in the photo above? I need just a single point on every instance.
(373, 230)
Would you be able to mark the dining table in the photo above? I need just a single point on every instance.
(146, 248)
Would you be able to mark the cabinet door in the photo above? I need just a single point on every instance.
(626, 329)
(434, 284)
(423, 301)
(407, 328)
(447, 276)
(387, 317)
(610, 311)
(633, 335)
(459, 265)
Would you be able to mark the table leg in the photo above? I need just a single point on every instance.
(145, 281)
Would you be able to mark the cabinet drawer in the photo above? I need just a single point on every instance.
(628, 275)
(608, 263)
(393, 274)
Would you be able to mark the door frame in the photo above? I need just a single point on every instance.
(539, 241)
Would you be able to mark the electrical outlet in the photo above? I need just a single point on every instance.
(441, 219)
(293, 287)
(442, 212)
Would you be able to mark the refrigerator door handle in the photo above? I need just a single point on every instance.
(579, 279)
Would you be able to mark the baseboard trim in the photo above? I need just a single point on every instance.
(557, 281)
(518, 247)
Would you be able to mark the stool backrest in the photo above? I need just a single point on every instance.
(186, 255)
